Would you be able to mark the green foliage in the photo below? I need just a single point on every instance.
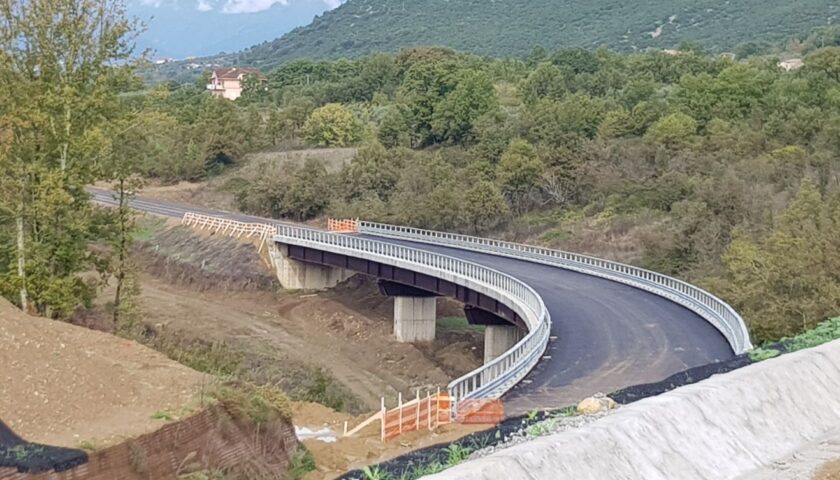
(825, 332)
(514, 29)
(257, 404)
(485, 206)
(332, 126)
(454, 116)
(795, 266)
(60, 114)
(518, 172)
(302, 463)
(762, 354)
(677, 130)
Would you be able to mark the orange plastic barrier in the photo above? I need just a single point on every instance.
(342, 226)
(481, 412)
(429, 413)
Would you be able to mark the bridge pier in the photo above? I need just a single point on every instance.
(498, 339)
(296, 275)
(414, 318)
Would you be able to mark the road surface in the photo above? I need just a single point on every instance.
(605, 335)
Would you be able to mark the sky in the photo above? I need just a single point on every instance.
(192, 28)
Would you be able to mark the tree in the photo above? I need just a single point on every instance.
(425, 85)
(787, 283)
(825, 61)
(306, 195)
(454, 116)
(332, 126)
(485, 206)
(518, 173)
(61, 58)
(674, 131)
(546, 81)
(373, 169)
(616, 124)
(122, 167)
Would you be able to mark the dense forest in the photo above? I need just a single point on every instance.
(721, 171)
(512, 27)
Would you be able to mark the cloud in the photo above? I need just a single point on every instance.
(203, 6)
(250, 6)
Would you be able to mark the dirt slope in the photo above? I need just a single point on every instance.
(63, 385)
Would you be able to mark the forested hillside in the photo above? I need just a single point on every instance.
(514, 27)
(720, 171)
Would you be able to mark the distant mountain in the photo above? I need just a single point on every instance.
(195, 28)
(514, 27)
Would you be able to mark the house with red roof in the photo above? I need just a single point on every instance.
(229, 82)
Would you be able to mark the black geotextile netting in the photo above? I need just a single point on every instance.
(686, 377)
(439, 454)
(32, 457)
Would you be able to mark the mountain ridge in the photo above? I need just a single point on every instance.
(514, 27)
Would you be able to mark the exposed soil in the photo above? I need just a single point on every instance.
(64, 385)
(365, 448)
(346, 331)
(326, 331)
(830, 471)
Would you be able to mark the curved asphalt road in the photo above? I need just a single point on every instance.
(605, 335)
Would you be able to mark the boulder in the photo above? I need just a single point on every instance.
(596, 404)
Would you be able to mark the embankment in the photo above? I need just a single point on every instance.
(209, 440)
(721, 428)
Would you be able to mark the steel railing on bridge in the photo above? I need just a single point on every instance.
(492, 379)
(709, 307)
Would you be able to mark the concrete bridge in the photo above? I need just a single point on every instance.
(559, 326)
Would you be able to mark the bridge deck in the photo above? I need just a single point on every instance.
(608, 335)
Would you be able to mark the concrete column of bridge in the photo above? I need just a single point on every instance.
(414, 318)
(296, 275)
(498, 339)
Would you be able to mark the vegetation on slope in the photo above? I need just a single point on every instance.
(716, 170)
(513, 27)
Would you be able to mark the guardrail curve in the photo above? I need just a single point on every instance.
(712, 309)
(492, 379)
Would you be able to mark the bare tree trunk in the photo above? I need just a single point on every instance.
(121, 212)
(21, 254)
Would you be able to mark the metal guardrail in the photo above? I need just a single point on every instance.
(492, 379)
(709, 307)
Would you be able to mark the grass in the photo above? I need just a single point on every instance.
(302, 463)
(88, 445)
(825, 332)
(164, 415)
(458, 324)
(258, 404)
(147, 227)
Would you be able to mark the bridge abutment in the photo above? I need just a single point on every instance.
(296, 275)
(498, 339)
(414, 318)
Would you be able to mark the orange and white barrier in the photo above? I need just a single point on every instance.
(343, 225)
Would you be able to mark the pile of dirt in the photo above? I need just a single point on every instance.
(69, 386)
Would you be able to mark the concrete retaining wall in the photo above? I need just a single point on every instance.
(721, 428)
